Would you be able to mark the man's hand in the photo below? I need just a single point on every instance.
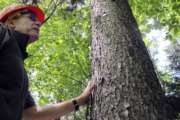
(83, 98)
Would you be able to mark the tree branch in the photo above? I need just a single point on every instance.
(56, 4)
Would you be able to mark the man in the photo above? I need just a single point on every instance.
(19, 27)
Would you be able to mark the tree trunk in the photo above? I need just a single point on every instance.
(127, 85)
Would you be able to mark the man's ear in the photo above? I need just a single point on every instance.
(10, 23)
(11, 20)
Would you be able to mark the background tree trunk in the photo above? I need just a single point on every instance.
(127, 85)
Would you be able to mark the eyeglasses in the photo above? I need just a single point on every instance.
(30, 14)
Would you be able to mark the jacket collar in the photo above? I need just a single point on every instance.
(22, 40)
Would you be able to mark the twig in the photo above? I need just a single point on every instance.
(56, 4)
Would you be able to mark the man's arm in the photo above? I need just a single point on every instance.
(54, 111)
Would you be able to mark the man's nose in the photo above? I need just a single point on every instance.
(38, 23)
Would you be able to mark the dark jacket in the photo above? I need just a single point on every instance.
(14, 94)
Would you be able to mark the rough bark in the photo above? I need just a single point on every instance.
(127, 85)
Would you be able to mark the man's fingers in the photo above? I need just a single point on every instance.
(92, 85)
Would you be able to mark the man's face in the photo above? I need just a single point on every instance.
(28, 24)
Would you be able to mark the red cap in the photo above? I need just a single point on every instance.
(6, 12)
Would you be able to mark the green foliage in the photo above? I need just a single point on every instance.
(60, 58)
(164, 12)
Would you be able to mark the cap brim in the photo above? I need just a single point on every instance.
(34, 9)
